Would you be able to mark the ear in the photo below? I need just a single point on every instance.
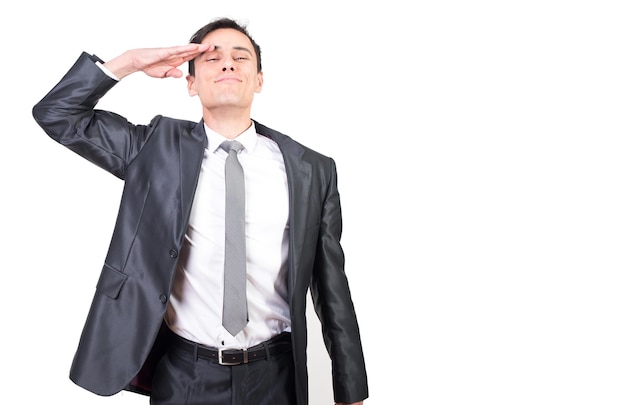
(191, 85)
(259, 86)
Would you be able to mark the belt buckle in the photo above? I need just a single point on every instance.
(220, 358)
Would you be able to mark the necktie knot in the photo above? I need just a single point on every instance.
(231, 146)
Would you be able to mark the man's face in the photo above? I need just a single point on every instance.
(227, 75)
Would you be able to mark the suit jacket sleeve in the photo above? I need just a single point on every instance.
(68, 115)
(333, 303)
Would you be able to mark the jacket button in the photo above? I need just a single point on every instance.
(173, 253)
(163, 298)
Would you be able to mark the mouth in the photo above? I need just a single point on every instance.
(227, 79)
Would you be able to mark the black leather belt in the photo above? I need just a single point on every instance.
(231, 357)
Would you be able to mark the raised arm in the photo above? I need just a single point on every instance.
(68, 115)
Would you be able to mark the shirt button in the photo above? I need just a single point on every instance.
(163, 298)
(173, 253)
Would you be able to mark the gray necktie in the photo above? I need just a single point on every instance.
(235, 314)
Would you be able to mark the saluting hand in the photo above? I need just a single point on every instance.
(155, 62)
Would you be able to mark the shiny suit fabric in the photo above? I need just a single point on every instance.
(159, 164)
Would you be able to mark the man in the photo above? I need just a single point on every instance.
(156, 323)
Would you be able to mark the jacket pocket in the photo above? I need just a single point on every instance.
(111, 282)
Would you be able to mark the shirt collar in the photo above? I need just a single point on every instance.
(247, 138)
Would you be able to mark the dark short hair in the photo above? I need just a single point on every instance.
(221, 23)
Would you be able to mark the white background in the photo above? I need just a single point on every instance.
(480, 149)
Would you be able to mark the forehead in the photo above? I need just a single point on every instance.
(226, 38)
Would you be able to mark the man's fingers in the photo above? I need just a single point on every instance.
(189, 51)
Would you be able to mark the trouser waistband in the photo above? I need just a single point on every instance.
(279, 344)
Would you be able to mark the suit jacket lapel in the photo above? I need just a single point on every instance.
(299, 180)
(191, 155)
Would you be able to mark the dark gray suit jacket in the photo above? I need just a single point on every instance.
(160, 164)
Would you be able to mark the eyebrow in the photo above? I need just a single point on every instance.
(237, 48)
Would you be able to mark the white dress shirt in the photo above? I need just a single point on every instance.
(195, 307)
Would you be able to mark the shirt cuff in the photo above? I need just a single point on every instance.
(107, 71)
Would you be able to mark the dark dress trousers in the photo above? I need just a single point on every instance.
(160, 163)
